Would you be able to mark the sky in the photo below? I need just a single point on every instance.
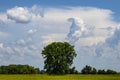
(93, 27)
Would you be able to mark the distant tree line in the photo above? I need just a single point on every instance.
(18, 69)
(26, 69)
(91, 70)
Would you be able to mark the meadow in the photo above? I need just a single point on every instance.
(60, 77)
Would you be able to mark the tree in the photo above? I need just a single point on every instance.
(101, 71)
(58, 57)
(73, 71)
(94, 71)
(18, 69)
(86, 70)
(12, 69)
(109, 71)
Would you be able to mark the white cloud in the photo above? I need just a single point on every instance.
(114, 39)
(102, 18)
(111, 45)
(14, 54)
(22, 14)
(19, 14)
(32, 31)
(51, 24)
(53, 38)
(78, 30)
(92, 16)
(3, 18)
(1, 45)
(90, 41)
(21, 42)
(38, 10)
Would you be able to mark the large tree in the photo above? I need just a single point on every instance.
(58, 57)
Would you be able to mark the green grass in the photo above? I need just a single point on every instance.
(62, 77)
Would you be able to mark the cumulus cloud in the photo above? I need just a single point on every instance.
(111, 46)
(19, 14)
(20, 53)
(78, 30)
(3, 18)
(32, 31)
(103, 54)
(114, 40)
(87, 29)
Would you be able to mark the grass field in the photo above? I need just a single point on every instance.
(63, 77)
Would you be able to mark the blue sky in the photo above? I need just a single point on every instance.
(113, 5)
(106, 4)
(92, 26)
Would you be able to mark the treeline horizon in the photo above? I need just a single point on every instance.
(27, 69)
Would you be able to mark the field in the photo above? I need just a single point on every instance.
(63, 77)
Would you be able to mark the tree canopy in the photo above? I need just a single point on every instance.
(91, 70)
(18, 69)
(58, 57)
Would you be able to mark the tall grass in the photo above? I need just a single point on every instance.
(60, 77)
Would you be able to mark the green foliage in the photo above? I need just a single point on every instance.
(94, 71)
(101, 71)
(90, 70)
(18, 69)
(58, 57)
(109, 71)
(73, 71)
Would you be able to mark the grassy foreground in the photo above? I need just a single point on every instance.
(63, 77)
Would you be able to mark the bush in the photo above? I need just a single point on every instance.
(90, 70)
(18, 69)
(111, 71)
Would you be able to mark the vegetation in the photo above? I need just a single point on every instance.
(58, 58)
(26, 69)
(60, 77)
(90, 70)
(18, 69)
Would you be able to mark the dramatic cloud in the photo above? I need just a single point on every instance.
(24, 31)
(19, 14)
(114, 39)
(78, 30)
(110, 46)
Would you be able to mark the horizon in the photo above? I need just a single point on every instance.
(93, 27)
